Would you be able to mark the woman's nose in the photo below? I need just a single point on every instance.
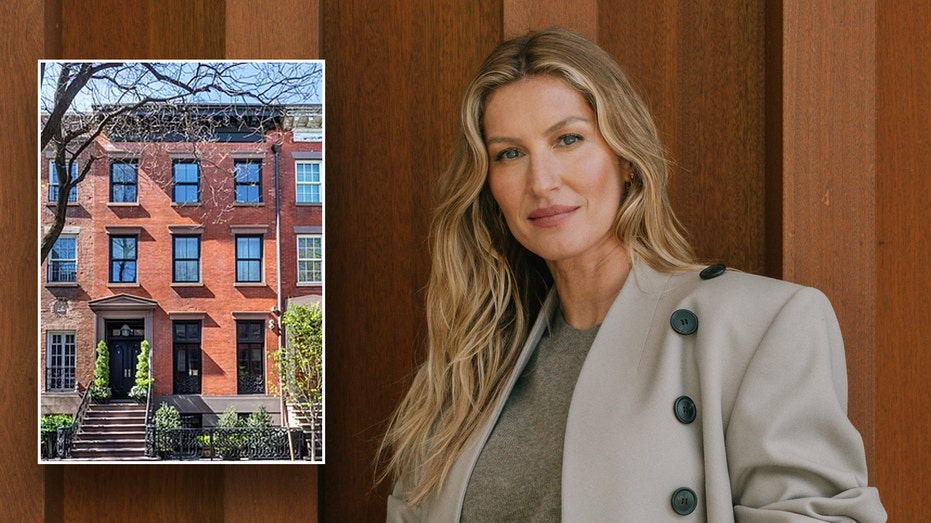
(543, 176)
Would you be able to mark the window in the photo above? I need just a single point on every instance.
(53, 182)
(63, 260)
(123, 259)
(250, 356)
(59, 371)
(249, 258)
(185, 259)
(248, 181)
(186, 178)
(308, 182)
(123, 181)
(187, 354)
(309, 259)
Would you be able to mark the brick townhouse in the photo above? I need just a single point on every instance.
(187, 245)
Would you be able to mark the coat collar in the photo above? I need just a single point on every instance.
(634, 306)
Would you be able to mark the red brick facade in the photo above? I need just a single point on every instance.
(215, 301)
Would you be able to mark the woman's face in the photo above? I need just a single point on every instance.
(556, 180)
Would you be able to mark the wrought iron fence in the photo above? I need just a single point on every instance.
(249, 443)
(249, 384)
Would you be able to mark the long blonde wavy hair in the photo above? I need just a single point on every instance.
(485, 288)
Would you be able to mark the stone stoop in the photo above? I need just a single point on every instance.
(111, 431)
(300, 416)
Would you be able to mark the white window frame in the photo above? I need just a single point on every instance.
(64, 357)
(48, 275)
(300, 237)
(298, 184)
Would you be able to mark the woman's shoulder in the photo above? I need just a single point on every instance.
(736, 293)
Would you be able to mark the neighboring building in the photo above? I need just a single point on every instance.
(177, 243)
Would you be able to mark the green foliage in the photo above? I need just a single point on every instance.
(141, 388)
(52, 422)
(48, 433)
(259, 419)
(167, 417)
(300, 361)
(229, 419)
(101, 389)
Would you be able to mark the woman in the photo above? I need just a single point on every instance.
(580, 365)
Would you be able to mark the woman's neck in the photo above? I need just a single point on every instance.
(588, 287)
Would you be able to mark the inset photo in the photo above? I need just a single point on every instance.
(181, 285)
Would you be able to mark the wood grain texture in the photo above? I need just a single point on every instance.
(395, 73)
(903, 191)
(138, 29)
(829, 174)
(700, 66)
(22, 493)
(280, 30)
(523, 16)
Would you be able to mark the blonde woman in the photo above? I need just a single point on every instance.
(580, 366)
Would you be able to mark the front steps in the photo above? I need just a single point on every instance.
(113, 431)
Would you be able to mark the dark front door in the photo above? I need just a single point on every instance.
(123, 356)
(124, 341)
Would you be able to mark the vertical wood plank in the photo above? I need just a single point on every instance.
(281, 30)
(522, 16)
(22, 494)
(700, 66)
(903, 191)
(175, 29)
(395, 72)
(829, 175)
(285, 29)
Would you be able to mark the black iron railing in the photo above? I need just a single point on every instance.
(66, 433)
(249, 443)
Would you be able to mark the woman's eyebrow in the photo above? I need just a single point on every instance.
(556, 126)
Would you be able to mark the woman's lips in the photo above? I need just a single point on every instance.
(551, 216)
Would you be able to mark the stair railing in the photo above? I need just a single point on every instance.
(148, 408)
(66, 433)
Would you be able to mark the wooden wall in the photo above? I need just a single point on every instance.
(802, 138)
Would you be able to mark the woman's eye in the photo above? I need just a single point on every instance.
(569, 139)
(507, 154)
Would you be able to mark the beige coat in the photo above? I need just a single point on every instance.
(766, 372)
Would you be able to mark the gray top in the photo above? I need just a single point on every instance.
(518, 474)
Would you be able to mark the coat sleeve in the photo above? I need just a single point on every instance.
(792, 452)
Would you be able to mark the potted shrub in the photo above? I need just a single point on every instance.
(166, 418)
(229, 442)
(101, 389)
(140, 390)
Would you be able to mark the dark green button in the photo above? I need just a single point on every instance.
(685, 409)
(684, 501)
(684, 322)
(712, 271)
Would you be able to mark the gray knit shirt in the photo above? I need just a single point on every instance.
(518, 473)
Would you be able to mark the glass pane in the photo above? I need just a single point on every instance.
(123, 172)
(123, 271)
(123, 248)
(186, 247)
(248, 247)
(248, 271)
(187, 271)
(185, 194)
(186, 172)
(64, 248)
(247, 194)
(247, 172)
